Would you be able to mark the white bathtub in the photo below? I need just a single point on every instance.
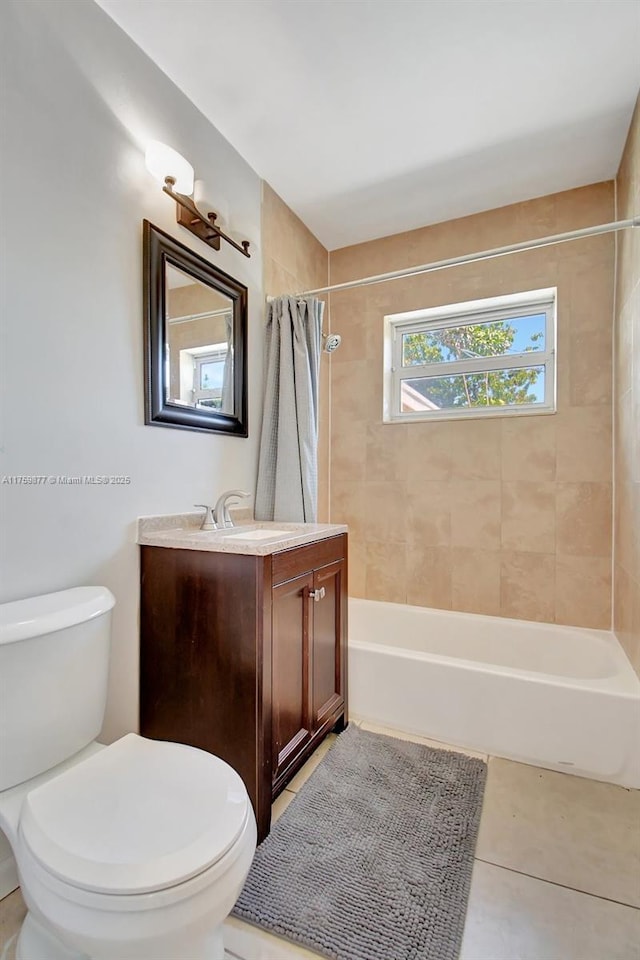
(565, 698)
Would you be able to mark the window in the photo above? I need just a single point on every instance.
(201, 376)
(208, 376)
(483, 358)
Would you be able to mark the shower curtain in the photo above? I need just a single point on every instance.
(227, 372)
(287, 486)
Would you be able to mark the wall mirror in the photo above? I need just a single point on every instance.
(195, 340)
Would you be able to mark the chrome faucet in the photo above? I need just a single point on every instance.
(221, 514)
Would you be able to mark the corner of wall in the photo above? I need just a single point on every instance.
(626, 405)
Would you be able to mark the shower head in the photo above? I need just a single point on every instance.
(331, 342)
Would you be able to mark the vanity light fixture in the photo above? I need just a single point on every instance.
(177, 178)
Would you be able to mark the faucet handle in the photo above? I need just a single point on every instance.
(209, 520)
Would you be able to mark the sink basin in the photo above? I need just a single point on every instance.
(260, 534)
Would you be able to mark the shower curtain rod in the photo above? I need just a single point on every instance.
(476, 257)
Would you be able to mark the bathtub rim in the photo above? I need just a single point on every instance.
(623, 683)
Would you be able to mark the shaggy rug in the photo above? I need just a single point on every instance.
(372, 860)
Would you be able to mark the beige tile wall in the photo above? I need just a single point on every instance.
(509, 517)
(295, 261)
(627, 404)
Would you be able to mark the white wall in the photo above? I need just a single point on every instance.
(79, 102)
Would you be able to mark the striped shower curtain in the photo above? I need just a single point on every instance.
(287, 487)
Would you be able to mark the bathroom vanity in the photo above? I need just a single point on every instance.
(243, 643)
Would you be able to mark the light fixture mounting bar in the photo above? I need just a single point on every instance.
(204, 227)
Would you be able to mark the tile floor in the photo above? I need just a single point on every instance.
(556, 875)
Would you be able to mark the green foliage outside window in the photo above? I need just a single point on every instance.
(472, 341)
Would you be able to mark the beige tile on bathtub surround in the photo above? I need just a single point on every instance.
(623, 610)
(348, 451)
(583, 519)
(384, 505)
(414, 293)
(536, 218)
(582, 207)
(386, 571)
(279, 227)
(590, 367)
(324, 439)
(563, 386)
(583, 592)
(627, 442)
(591, 293)
(529, 516)
(355, 391)
(529, 270)
(385, 446)
(565, 829)
(428, 576)
(312, 259)
(428, 519)
(278, 280)
(515, 917)
(357, 567)
(591, 253)
(475, 514)
(287, 240)
(323, 500)
(527, 586)
(475, 581)
(627, 615)
(428, 453)
(584, 444)
(349, 318)
(475, 449)
(623, 349)
(528, 448)
(635, 626)
(348, 506)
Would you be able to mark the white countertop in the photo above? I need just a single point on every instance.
(182, 532)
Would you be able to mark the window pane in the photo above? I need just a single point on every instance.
(496, 338)
(211, 374)
(494, 388)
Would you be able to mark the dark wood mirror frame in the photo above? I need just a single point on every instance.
(159, 250)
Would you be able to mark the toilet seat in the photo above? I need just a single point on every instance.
(138, 817)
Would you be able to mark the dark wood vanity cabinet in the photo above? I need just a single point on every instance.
(245, 656)
(307, 662)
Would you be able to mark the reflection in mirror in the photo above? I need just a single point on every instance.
(198, 344)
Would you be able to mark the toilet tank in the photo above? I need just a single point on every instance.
(54, 664)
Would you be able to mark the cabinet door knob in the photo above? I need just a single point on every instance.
(317, 595)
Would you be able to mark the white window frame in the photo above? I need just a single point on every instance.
(216, 353)
(463, 314)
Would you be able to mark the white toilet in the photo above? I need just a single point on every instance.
(134, 851)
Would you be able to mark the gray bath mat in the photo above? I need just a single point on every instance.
(373, 858)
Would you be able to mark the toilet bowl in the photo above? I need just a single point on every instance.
(133, 851)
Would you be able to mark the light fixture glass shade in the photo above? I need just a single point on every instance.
(162, 162)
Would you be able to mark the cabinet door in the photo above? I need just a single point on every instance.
(327, 686)
(291, 713)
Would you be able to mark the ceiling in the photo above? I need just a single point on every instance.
(370, 117)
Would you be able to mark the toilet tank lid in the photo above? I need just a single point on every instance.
(36, 616)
